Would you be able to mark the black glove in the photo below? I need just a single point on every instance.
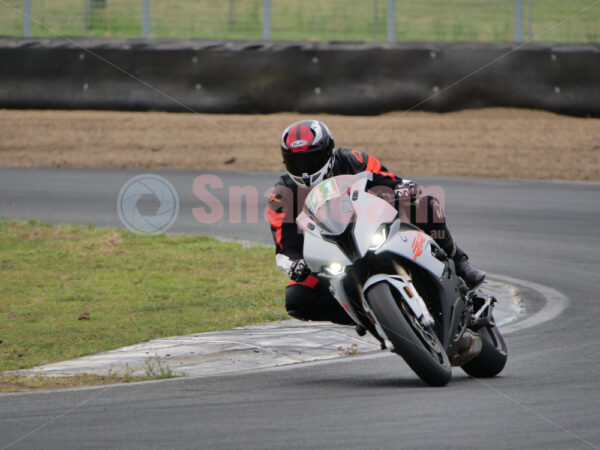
(408, 190)
(299, 271)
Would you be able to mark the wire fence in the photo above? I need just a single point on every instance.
(315, 20)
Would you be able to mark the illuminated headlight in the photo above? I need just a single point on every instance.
(377, 239)
(334, 269)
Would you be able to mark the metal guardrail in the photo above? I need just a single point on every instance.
(325, 20)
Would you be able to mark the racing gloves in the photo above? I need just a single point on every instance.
(299, 271)
(296, 269)
(408, 190)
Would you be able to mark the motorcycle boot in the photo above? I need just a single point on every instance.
(473, 277)
(468, 347)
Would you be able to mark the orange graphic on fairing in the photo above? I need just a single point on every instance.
(417, 245)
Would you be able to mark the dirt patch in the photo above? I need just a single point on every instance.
(507, 143)
(29, 383)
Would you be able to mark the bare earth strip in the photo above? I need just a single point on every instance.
(506, 143)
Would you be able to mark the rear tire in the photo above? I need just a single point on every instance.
(420, 347)
(492, 358)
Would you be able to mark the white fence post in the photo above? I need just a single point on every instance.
(231, 14)
(27, 18)
(87, 14)
(530, 19)
(145, 19)
(391, 20)
(266, 28)
(375, 16)
(518, 20)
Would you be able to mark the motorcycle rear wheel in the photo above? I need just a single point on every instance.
(418, 346)
(492, 358)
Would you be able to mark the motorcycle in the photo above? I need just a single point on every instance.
(394, 281)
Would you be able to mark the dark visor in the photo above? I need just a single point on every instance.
(305, 162)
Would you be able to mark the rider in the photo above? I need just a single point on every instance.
(310, 157)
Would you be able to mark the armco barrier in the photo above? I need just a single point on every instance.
(250, 77)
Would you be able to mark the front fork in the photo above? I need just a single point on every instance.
(349, 294)
(408, 294)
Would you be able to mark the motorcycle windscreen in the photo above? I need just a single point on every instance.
(328, 204)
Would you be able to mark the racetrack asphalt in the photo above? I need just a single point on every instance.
(547, 397)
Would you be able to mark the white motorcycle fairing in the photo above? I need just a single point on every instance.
(367, 215)
(394, 281)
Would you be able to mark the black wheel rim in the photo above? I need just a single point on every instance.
(426, 335)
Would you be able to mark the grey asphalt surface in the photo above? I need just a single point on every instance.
(547, 397)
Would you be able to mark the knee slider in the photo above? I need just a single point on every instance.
(296, 314)
(297, 301)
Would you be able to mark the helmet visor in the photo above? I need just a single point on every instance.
(305, 162)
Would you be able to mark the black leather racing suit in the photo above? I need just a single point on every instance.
(311, 299)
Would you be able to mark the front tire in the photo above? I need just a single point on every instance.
(492, 358)
(419, 346)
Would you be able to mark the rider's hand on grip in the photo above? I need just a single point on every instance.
(408, 190)
(299, 271)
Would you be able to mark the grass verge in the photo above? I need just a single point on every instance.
(67, 291)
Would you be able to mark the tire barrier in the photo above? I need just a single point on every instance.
(266, 77)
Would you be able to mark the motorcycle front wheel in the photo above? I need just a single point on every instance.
(417, 345)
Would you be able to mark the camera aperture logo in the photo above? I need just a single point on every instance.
(160, 192)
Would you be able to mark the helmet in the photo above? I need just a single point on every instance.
(307, 148)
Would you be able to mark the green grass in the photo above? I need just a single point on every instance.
(319, 20)
(133, 288)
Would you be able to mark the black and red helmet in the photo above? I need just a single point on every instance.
(307, 148)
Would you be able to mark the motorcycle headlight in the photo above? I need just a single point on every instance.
(378, 239)
(334, 269)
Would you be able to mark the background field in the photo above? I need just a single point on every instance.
(507, 143)
(424, 20)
